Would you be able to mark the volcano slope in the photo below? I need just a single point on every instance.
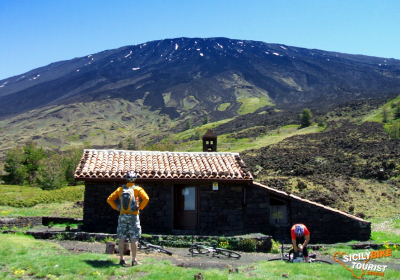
(340, 167)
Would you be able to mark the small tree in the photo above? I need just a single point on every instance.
(305, 118)
(14, 167)
(32, 157)
(197, 134)
(395, 130)
(205, 120)
(165, 146)
(69, 160)
(321, 121)
(188, 125)
(385, 114)
(51, 174)
(133, 144)
(397, 112)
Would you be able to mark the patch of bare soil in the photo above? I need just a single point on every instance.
(181, 256)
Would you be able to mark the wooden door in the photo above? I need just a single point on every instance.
(186, 207)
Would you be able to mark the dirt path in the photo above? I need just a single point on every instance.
(181, 256)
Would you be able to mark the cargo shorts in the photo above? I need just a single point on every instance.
(129, 226)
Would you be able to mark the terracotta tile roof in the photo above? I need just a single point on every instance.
(290, 196)
(114, 164)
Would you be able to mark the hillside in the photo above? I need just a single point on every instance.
(192, 77)
(164, 95)
(352, 164)
(149, 92)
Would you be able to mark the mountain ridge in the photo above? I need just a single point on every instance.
(187, 77)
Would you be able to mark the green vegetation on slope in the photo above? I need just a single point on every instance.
(389, 115)
(25, 196)
(223, 106)
(59, 209)
(226, 143)
(191, 132)
(251, 104)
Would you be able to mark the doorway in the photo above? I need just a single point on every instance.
(186, 207)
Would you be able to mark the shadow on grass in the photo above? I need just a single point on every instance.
(100, 263)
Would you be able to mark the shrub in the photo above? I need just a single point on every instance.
(92, 239)
(249, 245)
(276, 247)
(4, 213)
(59, 237)
(387, 246)
(224, 245)
(109, 239)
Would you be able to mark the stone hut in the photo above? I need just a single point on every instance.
(207, 193)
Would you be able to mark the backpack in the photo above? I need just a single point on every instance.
(126, 203)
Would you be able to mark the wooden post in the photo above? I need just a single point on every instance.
(127, 250)
(110, 247)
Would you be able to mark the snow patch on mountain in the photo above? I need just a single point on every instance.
(128, 54)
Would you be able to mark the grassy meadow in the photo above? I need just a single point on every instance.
(24, 257)
(26, 196)
(60, 209)
(29, 201)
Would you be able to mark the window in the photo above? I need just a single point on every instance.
(278, 211)
(189, 195)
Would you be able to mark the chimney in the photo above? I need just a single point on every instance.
(209, 141)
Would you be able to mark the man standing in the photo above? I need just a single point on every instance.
(300, 238)
(126, 200)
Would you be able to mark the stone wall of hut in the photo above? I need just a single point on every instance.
(233, 209)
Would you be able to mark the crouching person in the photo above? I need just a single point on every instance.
(126, 200)
(300, 236)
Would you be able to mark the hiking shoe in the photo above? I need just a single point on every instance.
(136, 263)
(122, 262)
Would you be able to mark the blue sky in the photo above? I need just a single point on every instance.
(34, 33)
